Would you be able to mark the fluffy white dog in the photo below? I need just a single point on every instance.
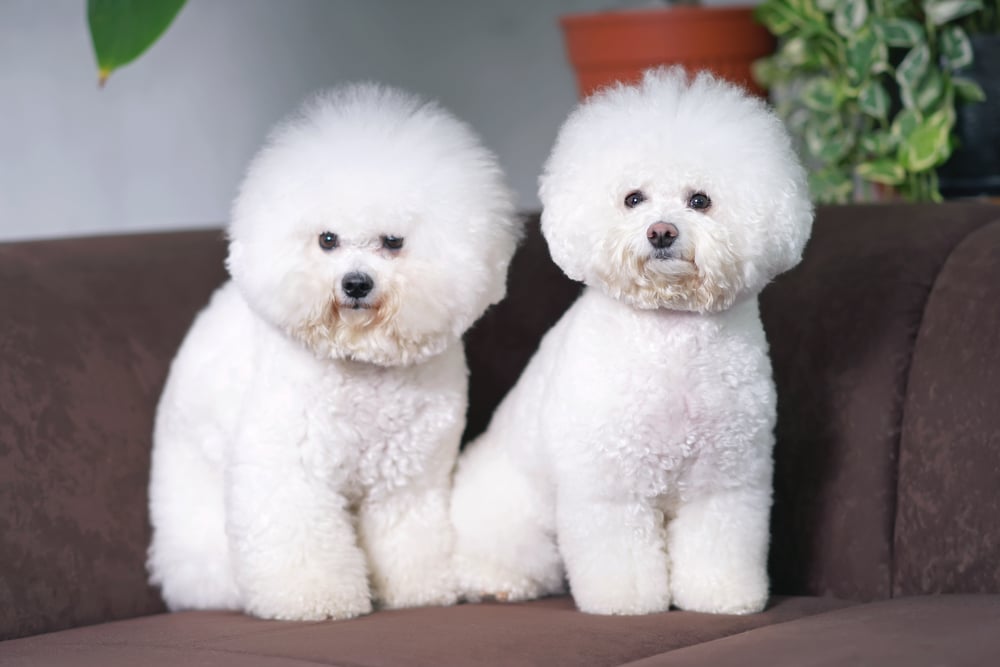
(307, 433)
(634, 453)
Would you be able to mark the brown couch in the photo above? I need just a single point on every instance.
(886, 523)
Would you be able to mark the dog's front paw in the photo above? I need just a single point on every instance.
(431, 586)
(621, 592)
(297, 598)
(744, 592)
(480, 580)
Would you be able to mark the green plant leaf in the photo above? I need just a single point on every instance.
(903, 125)
(900, 32)
(885, 171)
(956, 47)
(776, 16)
(941, 11)
(849, 16)
(927, 145)
(122, 30)
(832, 185)
(822, 94)
(826, 5)
(929, 91)
(826, 137)
(911, 71)
(863, 53)
(968, 90)
(877, 144)
(874, 100)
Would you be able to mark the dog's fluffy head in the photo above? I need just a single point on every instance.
(701, 157)
(372, 226)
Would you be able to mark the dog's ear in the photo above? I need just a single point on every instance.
(567, 243)
(234, 260)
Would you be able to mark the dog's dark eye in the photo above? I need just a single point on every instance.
(634, 198)
(328, 241)
(392, 242)
(699, 201)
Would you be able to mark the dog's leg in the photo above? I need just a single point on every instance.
(718, 551)
(189, 554)
(408, 539)
(615, 554)
(505, 534)
(292, 538)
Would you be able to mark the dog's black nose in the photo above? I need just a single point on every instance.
(662, 234)
(357, 285)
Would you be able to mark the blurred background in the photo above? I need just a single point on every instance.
(165, 143)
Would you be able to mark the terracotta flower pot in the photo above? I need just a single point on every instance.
(617, 46)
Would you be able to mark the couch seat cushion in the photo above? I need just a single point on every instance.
(544, 632)
(945, 630)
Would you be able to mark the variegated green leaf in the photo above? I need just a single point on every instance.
(903, 125)
(862, 54)
(942, 11)
(826, 5)
(929, 91)
(956, 47)
(900, 32)
(776, 16)
(849, 16)
(822, 94)
(878, 143)
(912, 69)
(925, 146)
(874, 100)
(832, 185)
(885, 171)
(968, 90)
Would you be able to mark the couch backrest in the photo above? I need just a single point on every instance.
(867, 485)
(885, 352)
(87, 330)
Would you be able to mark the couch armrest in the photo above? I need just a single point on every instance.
(87, 330)
(947, 530)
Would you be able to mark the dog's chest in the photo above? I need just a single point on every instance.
(678, 394)
(377, 430)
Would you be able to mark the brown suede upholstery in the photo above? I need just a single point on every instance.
(885, 348)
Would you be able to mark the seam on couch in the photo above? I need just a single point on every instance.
(746, 632)
(894, 512)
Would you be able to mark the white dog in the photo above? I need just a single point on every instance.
(635, 450)
(306, 437)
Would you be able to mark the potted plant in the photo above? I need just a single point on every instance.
(871, 89)
(610, 46)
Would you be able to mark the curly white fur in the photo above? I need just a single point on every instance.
(633, 457)
(305, 438)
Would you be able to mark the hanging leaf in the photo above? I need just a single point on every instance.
(956, 47)
(942, 11)
(904, 124)
(776, 16)
(885, 171)
(849, 16)
(822, 94)
(878, 143)
(900, 32)
(874, 100)
(862, 54)
(968, 90)
(122, 30)
(831, 185)
(929, 91)
(927, 146)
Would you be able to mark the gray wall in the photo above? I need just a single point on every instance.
(164, 145)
